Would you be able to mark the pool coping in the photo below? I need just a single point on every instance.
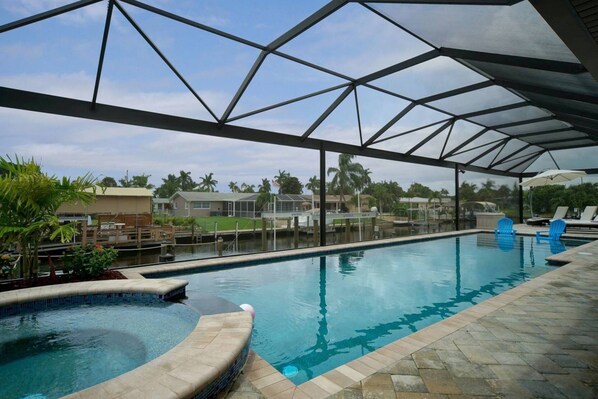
(251, 259)
(272, 384)
(206, 361)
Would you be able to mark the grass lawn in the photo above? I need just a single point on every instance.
(227, 223)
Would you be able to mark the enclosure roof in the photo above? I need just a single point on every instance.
(497, 86)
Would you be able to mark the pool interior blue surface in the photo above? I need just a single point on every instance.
(315, 314)
(54, 352)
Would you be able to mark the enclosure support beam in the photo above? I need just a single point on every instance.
(322, 196)
(457, 206)
(20, 99)
(521, 200)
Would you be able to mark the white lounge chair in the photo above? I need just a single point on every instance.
(585, 220)
(560, 213)
(586, 216)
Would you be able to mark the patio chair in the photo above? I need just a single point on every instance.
(586, 216)
(505, 227)
(586, 224)
(556, 230)
(560, 213)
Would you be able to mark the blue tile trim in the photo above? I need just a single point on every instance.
(225, 379)
(86, 299)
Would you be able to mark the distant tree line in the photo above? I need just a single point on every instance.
(348, 179)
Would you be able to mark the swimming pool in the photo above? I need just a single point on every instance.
(53, 352)
(317, 313)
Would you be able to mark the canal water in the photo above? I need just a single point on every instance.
(186, 251)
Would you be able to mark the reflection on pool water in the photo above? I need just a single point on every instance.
(51, 353)
(315, 314)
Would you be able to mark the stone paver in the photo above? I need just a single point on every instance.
(540, 340)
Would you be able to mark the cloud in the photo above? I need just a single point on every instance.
(25, 8)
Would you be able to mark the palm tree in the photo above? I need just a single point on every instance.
(313, 185)
(265, 187)
(29, 199)
(247, 188)
(280, 178)
(208, 183)
(233, 187)
(169, 186)
(185, 181)
(348, 176)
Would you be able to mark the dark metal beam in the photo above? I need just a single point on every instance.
(513, 158)
(465, 143)
(511, 155)
(448, 136)
(524, 122)
(531, 158)
(419, 59)
(45, 15)
(327, 112)
(322, 195)
(574, 146)
(291, 101)
(102, 52)
(394, 120)
(488, 151)
(430, 137)
(543, 132)
(358, 116)
(394, 136)
(520, 202)
(20, 99)
(453, 2)
(569, 95)
(554, 160)
(307, 23)
(163, 57)
(248, 78)
(524, 62)
(192, 23)
(565, 22)
(495, 109)
(457, 204)
(541, 143)
(477, 147)
(456, 92)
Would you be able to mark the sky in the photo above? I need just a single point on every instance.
(59, 56)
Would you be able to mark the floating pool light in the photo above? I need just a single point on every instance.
(290, 371)
(248, 308)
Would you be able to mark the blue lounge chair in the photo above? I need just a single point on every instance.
(505, 227)
(556, 230)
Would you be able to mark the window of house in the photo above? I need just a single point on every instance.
(201, 205)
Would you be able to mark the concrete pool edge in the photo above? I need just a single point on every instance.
(272, 384)
(249, 259)
(204, 363)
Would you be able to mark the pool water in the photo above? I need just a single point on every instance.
(315, 314)
(54, 352)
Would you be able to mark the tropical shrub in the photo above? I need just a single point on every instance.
(88, 261)
(29, 199)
